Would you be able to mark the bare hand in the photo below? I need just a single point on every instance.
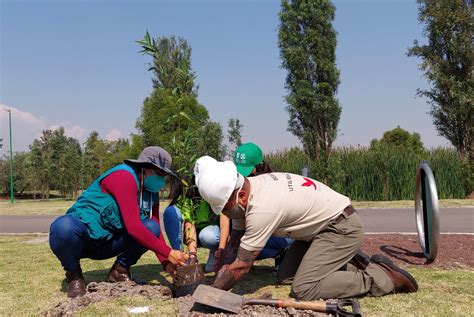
(177, 257)
(218, 254)
(170, 269)
(219, 273)
(193, 259)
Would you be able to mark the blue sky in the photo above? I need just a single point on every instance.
(75, 64)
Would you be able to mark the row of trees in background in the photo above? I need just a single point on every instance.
(383, 171)
(57, 163)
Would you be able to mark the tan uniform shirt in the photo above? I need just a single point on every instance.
(287, 205)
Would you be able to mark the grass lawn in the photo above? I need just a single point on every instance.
(31, 281)
(59, 206)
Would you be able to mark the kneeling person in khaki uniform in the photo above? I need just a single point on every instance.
(326, 229)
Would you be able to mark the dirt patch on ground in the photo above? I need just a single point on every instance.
(454, 250)
(188, 308)
(103, 291)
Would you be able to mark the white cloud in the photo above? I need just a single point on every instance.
(22, 116)
(76, 131)
(27, 126)
(114, 135)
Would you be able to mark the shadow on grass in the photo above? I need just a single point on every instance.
(142, 274)
(402, 254)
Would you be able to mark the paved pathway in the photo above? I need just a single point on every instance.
(452, 220)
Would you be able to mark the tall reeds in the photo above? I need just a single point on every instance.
(389, 174)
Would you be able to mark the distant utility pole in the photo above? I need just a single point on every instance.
(11, 154)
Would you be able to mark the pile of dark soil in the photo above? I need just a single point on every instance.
(103, 291)
(188, 308)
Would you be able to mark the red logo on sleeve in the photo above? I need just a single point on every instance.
(308, 183)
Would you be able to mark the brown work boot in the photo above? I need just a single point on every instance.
(403, 281)
(76, 284)
(360, 260)
(119, 273)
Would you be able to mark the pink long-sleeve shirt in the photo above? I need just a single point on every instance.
(122, 186)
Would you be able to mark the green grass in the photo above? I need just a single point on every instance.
(32, 281)
(59, 206)
(35, 207)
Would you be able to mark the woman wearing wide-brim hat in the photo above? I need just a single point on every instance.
(117, 215)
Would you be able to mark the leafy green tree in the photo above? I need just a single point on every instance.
(172, 117)
(307, 42)
(447, 63)
(234, 133)
(171, 63)
(20, 177)
(118, 151)
(40, 164)
(54, 163)
(165, 115)
(399, 138)
(210, 141)
(70, 164)
(94, 157)
(101, 155)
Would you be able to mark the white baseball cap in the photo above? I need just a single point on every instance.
(216, 181)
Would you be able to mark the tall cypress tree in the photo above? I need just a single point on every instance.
(447, 63)
(307, 42)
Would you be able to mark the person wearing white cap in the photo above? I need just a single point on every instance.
(327, 231)
(215, 236)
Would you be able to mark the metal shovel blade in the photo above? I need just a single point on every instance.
(214, 297)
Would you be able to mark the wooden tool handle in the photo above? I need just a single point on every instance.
(318, 306)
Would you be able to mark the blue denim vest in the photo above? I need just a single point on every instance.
(100, 212)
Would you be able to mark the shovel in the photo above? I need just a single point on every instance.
(214, 297)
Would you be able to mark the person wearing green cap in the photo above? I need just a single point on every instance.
(248, 158)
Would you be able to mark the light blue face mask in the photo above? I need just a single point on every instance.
(154, 183)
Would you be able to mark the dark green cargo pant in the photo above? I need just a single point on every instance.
(320, 269)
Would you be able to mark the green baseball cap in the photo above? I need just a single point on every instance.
(246, 157)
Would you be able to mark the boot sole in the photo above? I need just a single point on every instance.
(378, 258)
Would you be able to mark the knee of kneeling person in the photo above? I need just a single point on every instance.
(283, 279)
(303, 291)
(172, 212)
(152, 226)
(208, 239)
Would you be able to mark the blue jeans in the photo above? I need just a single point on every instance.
(209, 236)
(70, 242)
(173, 223)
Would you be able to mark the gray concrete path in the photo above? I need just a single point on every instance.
(452, 220)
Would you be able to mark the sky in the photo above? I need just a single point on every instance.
(76, 64)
